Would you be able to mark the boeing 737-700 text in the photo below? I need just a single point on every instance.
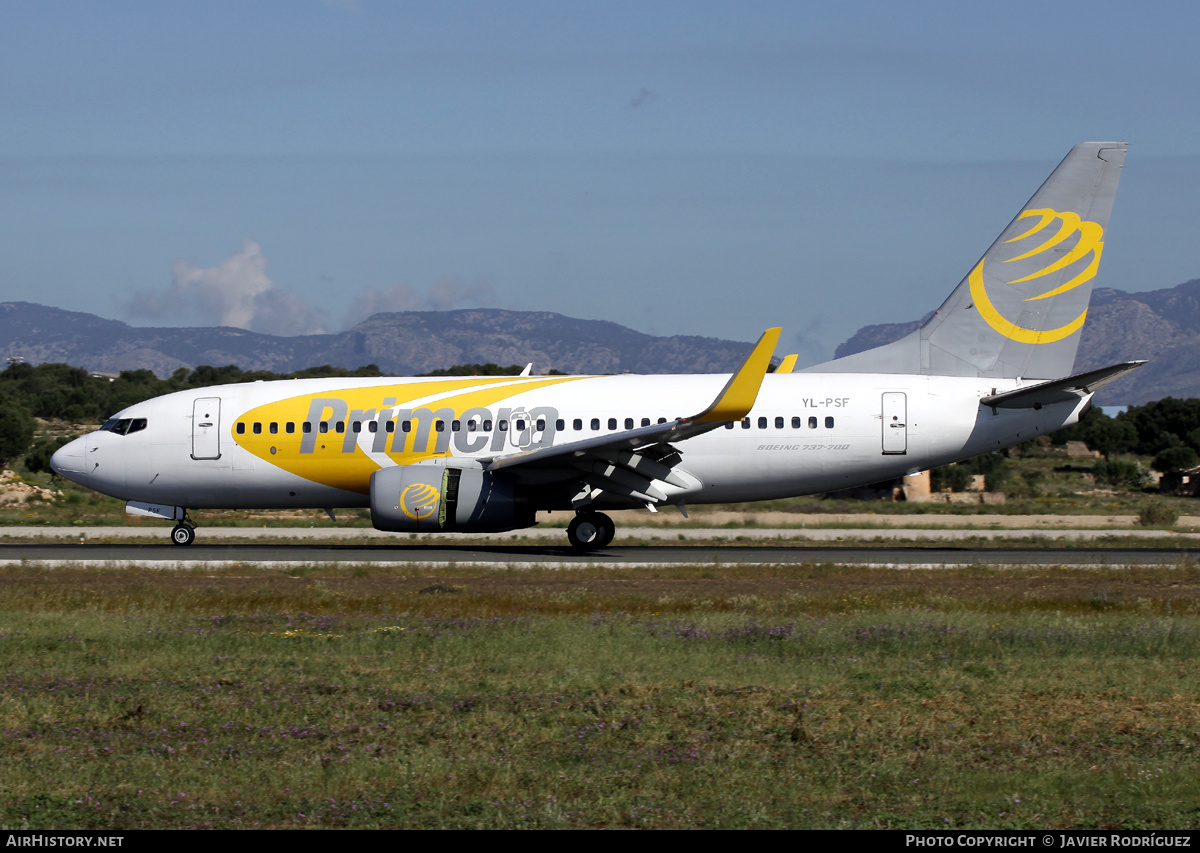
(990, 368)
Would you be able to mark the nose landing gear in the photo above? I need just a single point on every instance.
(589, 531)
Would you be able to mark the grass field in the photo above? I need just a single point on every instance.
(707, 697)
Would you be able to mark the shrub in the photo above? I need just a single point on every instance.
(1158, 514)
(37, 459)
(956, 478)
(1123, 474)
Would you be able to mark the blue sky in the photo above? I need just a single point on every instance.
(697, 168)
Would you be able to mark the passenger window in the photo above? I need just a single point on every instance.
(456, 426)
(662, 420)
(812, 423)
(472, 426)
(762, 423)
(274, 428)
(257, 428)
(796, 422)
(829, 423)
(779, 423)
(520, 425)
(340, 427)
(307, 427)
(487, 426)
(729, 425)
(629, 423)
(745, 423)
(289, 428)
(502, 426)
(541, 425)
(324, 427)
(595, 424)
(439, 426)
(372, 426)
(577, 424)
(406, 426)
(645, 422)
(241, 428)
(612, 423)
(389, 426)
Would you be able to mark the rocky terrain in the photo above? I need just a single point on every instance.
(402, 343)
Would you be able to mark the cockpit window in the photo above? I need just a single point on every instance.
(124, 426)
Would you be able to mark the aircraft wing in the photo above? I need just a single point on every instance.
(613, 463)
(1070, 389)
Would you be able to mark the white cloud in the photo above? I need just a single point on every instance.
(236, 292)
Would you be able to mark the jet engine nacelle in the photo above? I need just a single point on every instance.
(433, 498)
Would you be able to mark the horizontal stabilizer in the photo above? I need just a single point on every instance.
(1070, 389)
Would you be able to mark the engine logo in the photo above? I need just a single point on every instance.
(419, 501)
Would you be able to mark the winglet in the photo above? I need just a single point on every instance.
(737, 397)
(788, 364)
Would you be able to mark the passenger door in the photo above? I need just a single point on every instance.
(206, 428)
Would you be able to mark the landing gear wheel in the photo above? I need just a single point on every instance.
(607, 530)
(183, 534)
(590, 530)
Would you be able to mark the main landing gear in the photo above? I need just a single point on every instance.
(590, 530)
(184, 533)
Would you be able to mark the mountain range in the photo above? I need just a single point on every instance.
(403, 344)
(1160, 325)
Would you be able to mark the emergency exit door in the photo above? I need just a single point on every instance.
(895, 423)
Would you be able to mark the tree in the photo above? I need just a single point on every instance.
(1175, 459)
(1100, 432)
(489, 369)
(16, 431)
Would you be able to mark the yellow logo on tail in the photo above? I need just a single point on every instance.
(1090, 242)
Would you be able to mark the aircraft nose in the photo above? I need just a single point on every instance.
(68, 461)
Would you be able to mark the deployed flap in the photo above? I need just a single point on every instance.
(733, 403)
(629, 439)
(1066, 390)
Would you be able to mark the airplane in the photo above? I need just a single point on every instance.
(990, 368)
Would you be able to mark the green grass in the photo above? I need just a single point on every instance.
(714, 697)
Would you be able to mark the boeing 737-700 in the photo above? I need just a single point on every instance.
(990, 368)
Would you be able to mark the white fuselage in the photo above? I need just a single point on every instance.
(244, 446)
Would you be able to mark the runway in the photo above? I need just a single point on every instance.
(166, 556)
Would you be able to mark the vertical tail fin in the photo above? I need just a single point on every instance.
(1021, 309)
